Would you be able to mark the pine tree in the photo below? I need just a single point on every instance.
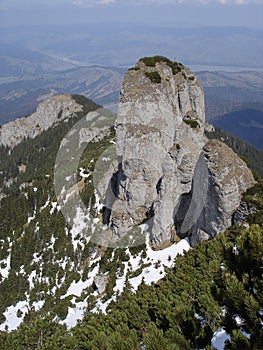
(238, 341)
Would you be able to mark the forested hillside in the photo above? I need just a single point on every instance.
(215, 289)
(34, 234)
(246, 124)
(47, 268)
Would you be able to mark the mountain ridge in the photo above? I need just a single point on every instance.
(53, 265)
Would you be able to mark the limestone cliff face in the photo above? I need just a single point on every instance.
(48, 114)
(216, 193)
(228, 178)
(167, 170)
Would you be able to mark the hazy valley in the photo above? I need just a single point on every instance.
(137, 226)
(238, 94)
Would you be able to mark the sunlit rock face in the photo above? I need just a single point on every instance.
(48, 113)
(167, 167)
(228, 178)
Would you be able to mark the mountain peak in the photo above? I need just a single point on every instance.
(168, 180)
(48, 113)
(164, 175)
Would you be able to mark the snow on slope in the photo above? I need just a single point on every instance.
(15, 314)
(5, 263)
(148, 266)
(219, 338)
(155, 262)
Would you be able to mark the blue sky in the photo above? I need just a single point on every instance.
(164, 12)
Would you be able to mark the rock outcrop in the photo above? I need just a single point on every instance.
(101, 282)
(168, 171)
(48, 113)
(228, 178)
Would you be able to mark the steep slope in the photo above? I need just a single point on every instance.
(37, 250)
(168, 173)
(252, 155)
(48, 265)
(48, 114)
(246, 124)
(66, 268)
(211, 299)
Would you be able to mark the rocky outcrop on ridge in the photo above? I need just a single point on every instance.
(168, 172)
(48, 113)
(228, 178)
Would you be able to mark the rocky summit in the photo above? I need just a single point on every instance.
(48, 114)
(169, 175)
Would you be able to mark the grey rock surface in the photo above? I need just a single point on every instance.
(167, 169)
(242, 213)
(101, 282)
(228, 178)
(48, 113)
(157, 149)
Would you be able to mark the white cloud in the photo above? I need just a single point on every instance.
(106, 2)
(91, 3)
(237, 2)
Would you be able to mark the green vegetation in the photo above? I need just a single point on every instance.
(207, 288)
(151, 62)
(193, 123)
(181, 312)
(134, 68)
(154, 76)
(253, 156)
(46, 235)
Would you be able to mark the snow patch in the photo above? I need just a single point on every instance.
(76, 288)
(38, 304)
(12, 321)
(83, 174)
(98, 205)
(101, 307)
(53, 207)
(31, 279)
(80, 223)
(219, 338)
(157, 261)
(75, 314)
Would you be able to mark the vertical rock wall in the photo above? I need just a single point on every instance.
(167, 170)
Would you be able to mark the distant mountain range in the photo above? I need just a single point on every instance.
(246, 124)
(121, 44)
(38, 62)
(233, 100)
(234, 103)
(21, 96)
